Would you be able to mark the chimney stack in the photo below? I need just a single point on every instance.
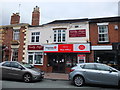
(15, 18)
(35, 16)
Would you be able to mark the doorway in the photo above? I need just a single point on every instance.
(57, 61)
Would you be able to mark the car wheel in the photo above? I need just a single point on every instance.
(78, 81)
(27, 78)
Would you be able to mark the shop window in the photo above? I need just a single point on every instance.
(35, 36)
(35, 58)
(59, 36)
(103, 33)
(15, 54)
(16, 34)
(71, 60)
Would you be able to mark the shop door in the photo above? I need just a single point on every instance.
(58, 63)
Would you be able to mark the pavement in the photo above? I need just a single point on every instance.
(56, 76)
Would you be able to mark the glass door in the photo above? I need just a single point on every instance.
(30, 59)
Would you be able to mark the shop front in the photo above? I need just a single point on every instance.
(35, 55)
(106, 55)
(61, 57)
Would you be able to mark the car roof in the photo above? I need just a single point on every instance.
(88, 63)
(10, 61)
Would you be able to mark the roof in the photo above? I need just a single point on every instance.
(68, 21)
(14, 25)
(105, 19)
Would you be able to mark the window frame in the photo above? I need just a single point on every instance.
(105, 32)
(35, 35)
(16, 34)
(59, 35)
(33, 57)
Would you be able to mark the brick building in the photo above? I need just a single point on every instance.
(59, 45)
(105, 40)
(13, 39)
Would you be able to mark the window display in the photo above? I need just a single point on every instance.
(35, 58)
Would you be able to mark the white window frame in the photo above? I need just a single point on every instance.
(16, 35)
(56, 32)
(35, 36)
(103, 33)
(33, 54)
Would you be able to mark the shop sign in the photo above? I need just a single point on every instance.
(50, 48)
(81, 47)
(81, 58)
(65, 48)
(68, 48)
(77, 33)
(35, 47)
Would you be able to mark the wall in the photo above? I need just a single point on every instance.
(114, 36)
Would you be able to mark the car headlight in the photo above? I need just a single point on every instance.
(36, 73)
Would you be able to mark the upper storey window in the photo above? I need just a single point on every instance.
(16, 34)
(59, 35)
(103, 33)
(35, 36)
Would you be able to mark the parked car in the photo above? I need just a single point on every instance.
(23, 71)
(95, 73)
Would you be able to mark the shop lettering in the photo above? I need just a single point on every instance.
(35, 47)
(50, 48)
(67, 48)
(77, 33)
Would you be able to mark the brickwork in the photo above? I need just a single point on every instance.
(20, 54)
(35, 16)
(15, 18)
(9, 42)
(113, 34)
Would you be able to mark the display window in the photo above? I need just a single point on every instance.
(35, 58)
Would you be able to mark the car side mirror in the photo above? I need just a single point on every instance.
(110, 70)
(20, 67)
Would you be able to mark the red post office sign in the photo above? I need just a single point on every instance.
(83, 48)
(65, 48)
(35, 47)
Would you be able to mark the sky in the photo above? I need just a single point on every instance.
(51, 10)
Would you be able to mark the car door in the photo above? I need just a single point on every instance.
(90, 73)
(16, 72)
(6, 69)
(106, 76)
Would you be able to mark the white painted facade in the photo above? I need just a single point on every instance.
(47, 34)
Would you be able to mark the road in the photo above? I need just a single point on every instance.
(52, 84)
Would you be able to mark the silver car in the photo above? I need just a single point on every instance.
(23, 71)
(94, 73)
